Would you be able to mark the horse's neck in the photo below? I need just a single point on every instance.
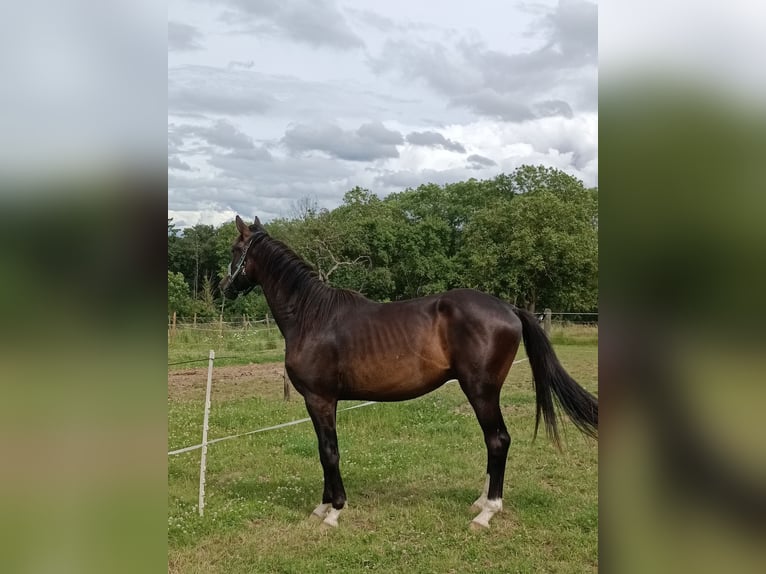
(285, 304)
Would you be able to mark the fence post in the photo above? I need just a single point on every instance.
(195, 320)
(547, 322)
(286, 381)
(268, 327)
(173, 326)
(220, 325)
(203, 457)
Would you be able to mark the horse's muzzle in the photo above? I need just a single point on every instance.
(226, 288)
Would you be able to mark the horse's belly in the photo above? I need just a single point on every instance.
(392, 378)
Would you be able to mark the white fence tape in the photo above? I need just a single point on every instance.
(279, 426)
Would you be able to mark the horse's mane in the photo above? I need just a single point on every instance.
(318, 303)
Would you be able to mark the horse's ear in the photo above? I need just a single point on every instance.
(257, 222)
(241, 227)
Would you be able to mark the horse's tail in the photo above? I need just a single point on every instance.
(552, 380)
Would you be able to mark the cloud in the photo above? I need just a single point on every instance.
(479, 161)
(369, 142)
(398, 180)
(487, 102)
(242, 163)
(219, 133)
(552, 79)
(201, 90)
(251, 182)
(244, 65)
(553, 108)
(318, 23)
(223, 134)
(574, 139)
(434, 139)
(183, 37)
(175, 163)
(382, 23)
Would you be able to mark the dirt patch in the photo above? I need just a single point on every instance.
(229, 382)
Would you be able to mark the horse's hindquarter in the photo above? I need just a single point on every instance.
(393, 351)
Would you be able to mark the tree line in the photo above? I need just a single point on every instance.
(529, 237)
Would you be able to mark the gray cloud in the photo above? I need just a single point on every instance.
(420, 60)
(199, 90)
(370, 142)
(175, 163)
(478, 161)
(488, 102)
(434, 139)
(242, 163)
(398, 180)
(183, 37)
(382, 23)
(223, 134)
(252, 182)
(553, 108)
(514, 87)
(318, 23)
(220, 134)
(574, 27)
(239, 64)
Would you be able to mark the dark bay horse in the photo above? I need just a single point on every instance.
(340, 345)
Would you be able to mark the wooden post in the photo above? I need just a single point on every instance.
(286, 381)
(547, 322)
(287, 384)
(267, 321)
(173, 326)
(220, 324)
(195, 320)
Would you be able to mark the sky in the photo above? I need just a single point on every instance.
(272, 102)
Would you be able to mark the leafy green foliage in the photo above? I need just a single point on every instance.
(179, 299)
(530, 237)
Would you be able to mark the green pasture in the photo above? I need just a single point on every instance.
(411, 471)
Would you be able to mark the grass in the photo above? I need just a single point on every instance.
(235, 345)
(411, 471)
(566, 333)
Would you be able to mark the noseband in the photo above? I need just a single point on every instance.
(240, 267)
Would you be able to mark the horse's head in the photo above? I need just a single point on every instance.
(241, 277)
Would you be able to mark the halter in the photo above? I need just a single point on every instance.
(240, 267)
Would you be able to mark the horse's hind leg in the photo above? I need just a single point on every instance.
(485, 400)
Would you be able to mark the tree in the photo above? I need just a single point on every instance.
(529, 236)
(539, 246)
(179, 300)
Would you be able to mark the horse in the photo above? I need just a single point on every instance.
(339, 345)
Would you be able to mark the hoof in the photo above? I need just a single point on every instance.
(327, 526)
(478, 526)
(320, 512)
(314, 517)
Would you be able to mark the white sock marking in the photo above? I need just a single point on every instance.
(332, 517)
(491, 507)
(321, 510)
(482, 500)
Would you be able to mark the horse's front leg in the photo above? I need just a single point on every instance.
(322, 412)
